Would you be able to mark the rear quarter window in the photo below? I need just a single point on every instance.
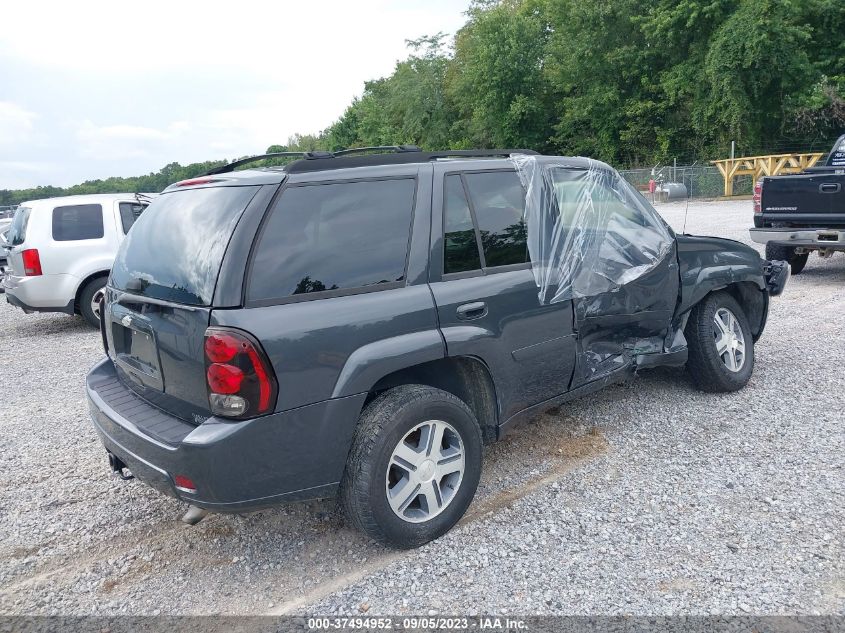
(78, 222)
(17, 230)
(331, 237)
(129, 212)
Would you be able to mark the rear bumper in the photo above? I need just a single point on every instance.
(814, 238)
(236, 466)
(15, 301)
(44, 293)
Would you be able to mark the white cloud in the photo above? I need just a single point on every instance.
(112, 88)
(117, 141)
(16, 124)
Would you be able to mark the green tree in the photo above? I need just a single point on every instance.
(496, 79)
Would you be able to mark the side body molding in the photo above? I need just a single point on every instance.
(368, 364)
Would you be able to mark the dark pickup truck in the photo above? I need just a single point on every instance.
(800, 213)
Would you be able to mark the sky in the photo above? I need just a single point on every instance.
(97, 89)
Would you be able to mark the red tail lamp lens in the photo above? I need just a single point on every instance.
(240, 380)
(195, 181)
(758, 196)
(225, 379)
(263, 380)
(221, 347)
(31, 262)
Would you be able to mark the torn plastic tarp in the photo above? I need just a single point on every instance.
(589, 231)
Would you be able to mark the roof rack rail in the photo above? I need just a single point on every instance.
(393, 157)
(243, 161)
(378, 148)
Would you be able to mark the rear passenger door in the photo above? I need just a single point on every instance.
(487, 300)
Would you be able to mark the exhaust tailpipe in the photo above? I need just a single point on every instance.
(194, 515)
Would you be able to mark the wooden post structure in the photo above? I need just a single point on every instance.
(759, 166)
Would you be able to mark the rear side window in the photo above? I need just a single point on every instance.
(78, 222)
(498, 200)
(333, 237)
(17, 230)
(460, 246)
(129, 212)
(175, 249)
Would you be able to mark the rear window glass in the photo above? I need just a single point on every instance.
(78, 222)
(129, 212)
(332, 237)
(175, 248)
(17, 230)
(499, 202)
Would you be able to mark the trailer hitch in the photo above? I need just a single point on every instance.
(118, 467)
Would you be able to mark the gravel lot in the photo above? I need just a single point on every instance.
(650, 498)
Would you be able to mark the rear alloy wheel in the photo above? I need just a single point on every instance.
(414, 466)
(721, 347)
(89, 300)
(425, 471)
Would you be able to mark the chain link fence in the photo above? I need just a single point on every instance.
(701, 181)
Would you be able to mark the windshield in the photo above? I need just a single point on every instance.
(175, 248)
(17, 231)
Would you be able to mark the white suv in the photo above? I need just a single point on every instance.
(60, 251)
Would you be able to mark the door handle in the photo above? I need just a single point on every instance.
(470, 311)
(830, 187)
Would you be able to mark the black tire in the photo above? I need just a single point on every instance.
(90, 289)
(707, 369)
(383, 425)
(797, 263)
(787, 254)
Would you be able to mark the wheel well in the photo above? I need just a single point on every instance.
(102, 273)
(465, 377)
(753, 303)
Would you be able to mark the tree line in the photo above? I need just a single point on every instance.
(623, 81)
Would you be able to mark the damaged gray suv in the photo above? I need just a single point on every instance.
(361, 324)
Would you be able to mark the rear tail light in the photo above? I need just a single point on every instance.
(240, 381)
(31, 262)
(758, 196)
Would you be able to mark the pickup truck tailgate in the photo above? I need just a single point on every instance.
(811, 194)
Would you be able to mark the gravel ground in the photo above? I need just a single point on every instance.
(650, 498)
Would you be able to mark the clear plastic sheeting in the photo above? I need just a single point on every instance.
(589, 230)
(595, 242)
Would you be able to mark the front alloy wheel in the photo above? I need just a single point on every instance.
(720, 344)
(730, 341)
